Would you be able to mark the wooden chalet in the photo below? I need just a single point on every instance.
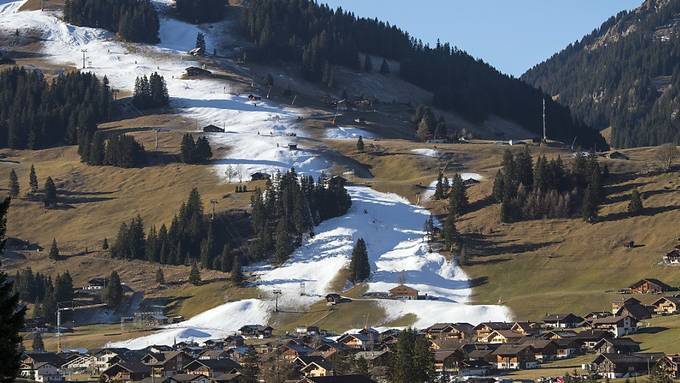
(503, 336)
(667, 306)
(526, 328)
(255, 331)
(449, 330)
(403, 292)
(615, 366)
(483, 330)
(544, 349)
(650, 286)
(617, 346)
(126, 371)
(194, 71)
(617, 325)
(515, 357)
(337, 379)
(569, 320)
(448, 361)
(212, 129)
(672, 257)
(212, 367)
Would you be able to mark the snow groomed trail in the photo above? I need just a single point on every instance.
(257, 136)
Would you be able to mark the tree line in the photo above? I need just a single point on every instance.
(547, 188)
(120, 150)
(628, 95)
(132, 20)
(191, 237)
(49, 191)
(150, 92)
(43, 292)
(36, 114)
(318, 38)
(195, 152)
(201, 11)
(289, 207)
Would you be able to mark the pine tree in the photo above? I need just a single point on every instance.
(458, 201)
(451, 236)
(160, 278)
(54, 251)
(424, 131)
(195, 275)
(635, 205)
(360, 144)
(50, 198)
(236, 273)
(13, 184)
(439, 188)
(105, 244)
(200, 42)
(250, 367)
(412, 361)
(589, 205)
(359, 266)
(113, 293)
(384, 68)
(11, 313)
(33, 181)
(38, 344)
(283, 245)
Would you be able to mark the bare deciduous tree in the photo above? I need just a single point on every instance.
(666, 154)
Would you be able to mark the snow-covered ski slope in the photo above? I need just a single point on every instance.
(257, 137)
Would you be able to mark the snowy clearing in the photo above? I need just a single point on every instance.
(347, 133)
(426, 152)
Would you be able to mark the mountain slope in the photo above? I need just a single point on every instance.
(624, 75)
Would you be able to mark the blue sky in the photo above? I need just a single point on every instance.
(512, 35)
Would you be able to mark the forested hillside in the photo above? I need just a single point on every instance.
(625, 74)
(319, 38)
(133, 20)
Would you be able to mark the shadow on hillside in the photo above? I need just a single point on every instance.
(646, 212)
(646, 194)
(621, 188)
(651, 330)
(479, 281)
(481, 204)
(485, 247)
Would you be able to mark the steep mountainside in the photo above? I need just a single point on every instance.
(320, 39)
(624, 74)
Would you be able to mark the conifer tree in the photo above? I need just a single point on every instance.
(412, 361)
(50, 197)
(283, 246)
(451, 236)
(589, 205)
(11, 313)
(113, 292)
(160, 277)
(13, 184)
(439, 188)
(635, 205)
(359, 266)
(38, 344)
(33, 181)
(105, 244)
(360, 144)
(54, 251)
(250, 369)
(458, 201)
(200, 41)
(195, 275)
(236, 273)
(368, 64)
(384, 68)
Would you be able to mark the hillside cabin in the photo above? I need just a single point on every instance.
(403, 292)
(667, 306)
(650, 286)
(672, 258)
(333, 298)
(292, 147)
(617, 304)
(617, 346)
(515, 357)
(212, 367)
(194, 71)
(252, 97)
(635, 309)
(544, 350)
(212, 129)
(483, 330)
(503, 336)
(449, 330)
(569, 320)
(97, 283)
(256, 331)
(617, 325)
(616, 366)
(526, 328)
(260, 176)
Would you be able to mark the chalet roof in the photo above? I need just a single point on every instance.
(133, 366)
(617, 342)
(341, 379)
(509, 334)
(442, 355)
(404, 287)
(45, 357)
(448, 344)
(370, 355)
(539, 344)
(617, 358)
(186, 377)
(216, 365)
(511, 349)
(608, 320)
(568, 317)
(636, 310)
(663, 286)
(674, 300)
(593, 334)
(494, 325)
